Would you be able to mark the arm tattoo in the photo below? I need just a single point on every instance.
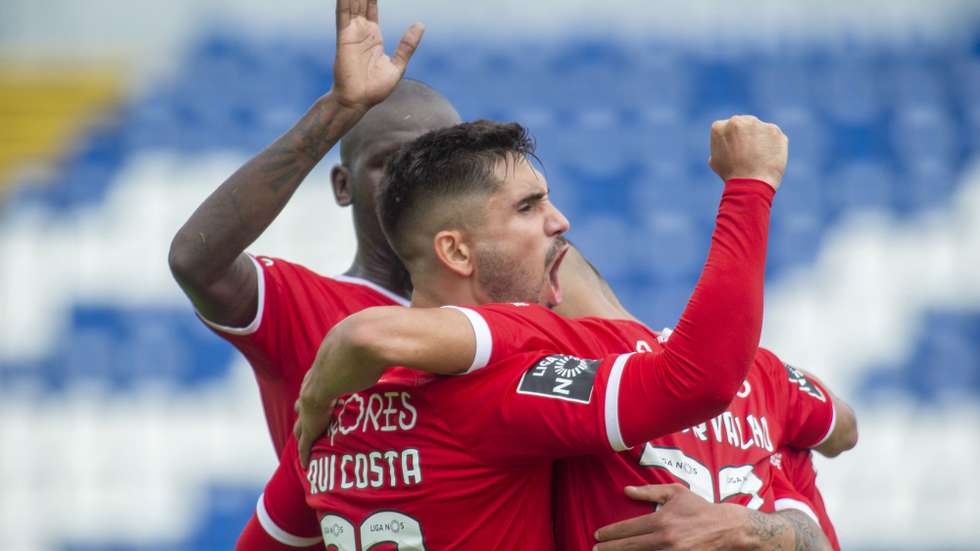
(803, 529)
(767, 528)
(785, 531)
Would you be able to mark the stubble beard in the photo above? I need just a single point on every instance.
(505, 281)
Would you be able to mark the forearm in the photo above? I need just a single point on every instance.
(235, 214)
(343, 364)
(355, 354)
(781, 531)
(718, 332)
(708, 355)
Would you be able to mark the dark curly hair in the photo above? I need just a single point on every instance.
(442, 167)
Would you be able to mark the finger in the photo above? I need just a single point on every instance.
(635, 526)
(410, 41)
(358, 8)
(372, 11)
(636, 543)
(654, 493)
(343, 13)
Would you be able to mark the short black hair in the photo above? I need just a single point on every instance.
(445, 165)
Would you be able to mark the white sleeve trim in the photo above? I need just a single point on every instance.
(613, 431)
(786, 503)
(278, 533)
(484, 339)
(254, 325)
(833, 423)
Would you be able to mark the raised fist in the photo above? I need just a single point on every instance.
(745, 147)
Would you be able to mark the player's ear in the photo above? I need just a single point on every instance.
(341, 180)
(454, 252)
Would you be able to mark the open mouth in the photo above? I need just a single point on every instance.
(555, 295)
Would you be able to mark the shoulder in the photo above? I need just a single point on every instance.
(358, 291)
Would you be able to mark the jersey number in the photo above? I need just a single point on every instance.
(731, 480)
(382, 527)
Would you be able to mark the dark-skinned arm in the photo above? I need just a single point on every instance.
(686, 522)
(207, 255)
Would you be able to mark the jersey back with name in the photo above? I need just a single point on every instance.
(421, 462)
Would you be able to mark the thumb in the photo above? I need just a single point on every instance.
(410, 41)
(654, 493)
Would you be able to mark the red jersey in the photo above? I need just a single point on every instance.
(801, 492)
(423, 462)
(727, 459)
(296, 309)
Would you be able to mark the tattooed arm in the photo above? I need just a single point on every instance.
(207, 255)
(686, 522)
(783, 531)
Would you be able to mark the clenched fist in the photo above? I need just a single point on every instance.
(745, 147)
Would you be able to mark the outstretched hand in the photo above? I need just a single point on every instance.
(363, 75)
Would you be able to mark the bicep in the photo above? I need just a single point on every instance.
(533, 407)
(434, 340)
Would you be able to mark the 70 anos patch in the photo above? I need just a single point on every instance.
(561, 377)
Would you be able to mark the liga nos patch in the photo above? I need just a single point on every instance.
(562, 377)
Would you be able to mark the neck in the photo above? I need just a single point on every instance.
(377, 263)
(440, 291)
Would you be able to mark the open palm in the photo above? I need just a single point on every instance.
(363, 74)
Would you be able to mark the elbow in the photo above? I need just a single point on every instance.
(718, 392)
(845, 435)
(182, 262)
(849, 435)
(712, 399)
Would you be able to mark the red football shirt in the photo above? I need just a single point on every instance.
(727, 459)
(296, 309)
(426, 462)
(800, 491)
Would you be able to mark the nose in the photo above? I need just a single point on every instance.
(556, 223)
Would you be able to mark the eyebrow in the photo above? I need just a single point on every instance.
(532, 198)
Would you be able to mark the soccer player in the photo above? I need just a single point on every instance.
(465, 462)
(777, 406)
(277, 312)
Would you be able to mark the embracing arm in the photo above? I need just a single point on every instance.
(686, 522)
(206, 255)
(844, 435)
(355, 353)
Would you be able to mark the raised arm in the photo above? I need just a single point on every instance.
(713, 345)
(207, 255)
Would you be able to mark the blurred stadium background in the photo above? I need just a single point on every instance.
(126, 426)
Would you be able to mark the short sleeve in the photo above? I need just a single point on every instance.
(290, 298)
(537, 405)
(282, 510)
(258, 340)
(503, 330)
(807, 407)
(787, 497)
